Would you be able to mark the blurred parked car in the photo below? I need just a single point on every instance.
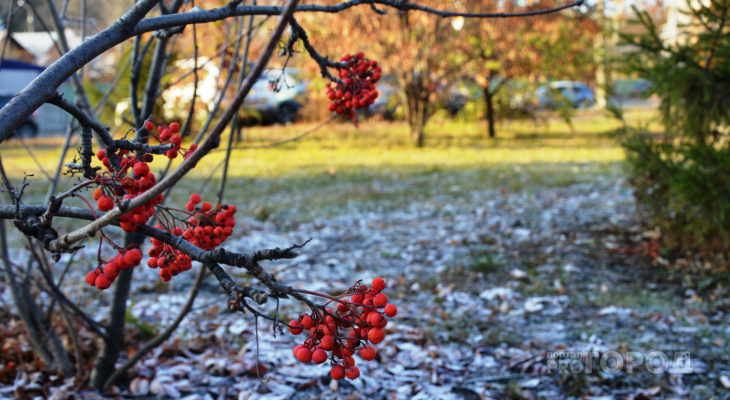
(276, 97)
(455, 97)
(565, 93)
(29, 127)
(388, 100)
(640, 88)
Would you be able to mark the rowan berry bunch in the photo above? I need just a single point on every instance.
(357, 89)
(107, 271)
(209, 227)
(206, 228)
(337, 335)
(119, 186)
(170, 135)
(170, 260)
(202, 225)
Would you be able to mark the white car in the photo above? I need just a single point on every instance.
(275, 97)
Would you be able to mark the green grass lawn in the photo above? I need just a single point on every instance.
(340, 167)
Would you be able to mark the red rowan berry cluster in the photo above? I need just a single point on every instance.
(170, 135)
(358, 90)
(215, 225)
(122, 187)
(207, 228)
(170, 260)
(356, 322)
(107, 271)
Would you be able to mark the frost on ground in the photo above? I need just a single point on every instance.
(489, 286)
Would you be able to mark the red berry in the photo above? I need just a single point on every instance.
(352, 372)
(199, 231)
(307, 322)
(128, 226)
(141, 169)
(375, 319)
(378, 284)
(367, 305)
(296, 348)
(220, 218)
(91, 278)
(105, 203)
(111, 270)
(139, 219)
(376, 335)
(149, 126)
(175, 127)
(98, 193)
(102, 282)
(206, 206)
(327, 342)
(176, 140)
(337, 372)
(367, 353)
(319, 356)
(174, 269)
(391, 310)
(380, 300)
(133, 257)
(164, 273)
(190, 206)
(304, 355)
(195, 198)
(152, 262)
(295, 327)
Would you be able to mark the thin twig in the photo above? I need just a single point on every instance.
(35, 159)
(279, 143)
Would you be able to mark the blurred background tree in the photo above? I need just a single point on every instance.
(512, 56)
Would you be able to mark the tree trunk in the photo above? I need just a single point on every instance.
(417, 105)
(489, 105)
(417, 118)
(417, 134)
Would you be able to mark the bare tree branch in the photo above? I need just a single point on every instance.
(43, 87)
(200, 16)
(66, 241)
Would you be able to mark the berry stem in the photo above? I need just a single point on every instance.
(326, 296)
